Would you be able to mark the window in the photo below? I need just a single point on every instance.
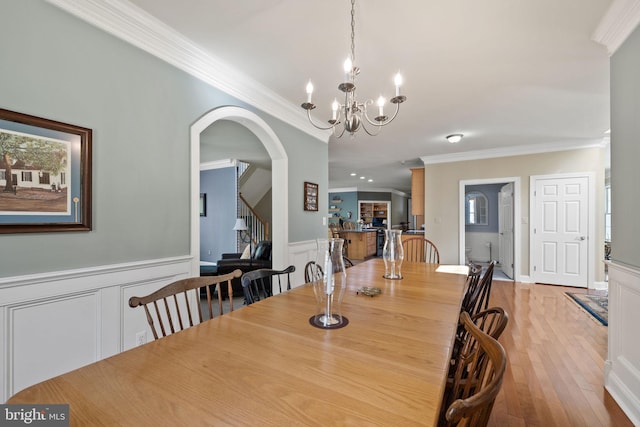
(44, 178)
(26, 176)
(476, 209)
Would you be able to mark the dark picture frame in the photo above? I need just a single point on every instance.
(203, 204)
(45, 175)
(310, 196)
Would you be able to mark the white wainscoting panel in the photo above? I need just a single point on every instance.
(42, 333)
(299, 254)
(56, 322)
(622, 369)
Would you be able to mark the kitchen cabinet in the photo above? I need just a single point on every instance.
(417, 195)
(360, 244)
(371, 210)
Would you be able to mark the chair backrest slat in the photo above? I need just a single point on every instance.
(176, 316)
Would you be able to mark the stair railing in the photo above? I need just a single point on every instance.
(258, 228)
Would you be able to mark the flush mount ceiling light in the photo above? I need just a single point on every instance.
(352, 112)
(454, 138)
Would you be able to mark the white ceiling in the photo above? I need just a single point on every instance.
(511, 75)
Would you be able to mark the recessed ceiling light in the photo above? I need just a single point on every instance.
(362, 177)
(353, 174)
(454, 138)
(370, 180)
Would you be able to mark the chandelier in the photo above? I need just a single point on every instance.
(351, 112)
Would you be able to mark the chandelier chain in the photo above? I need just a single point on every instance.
(353, 31)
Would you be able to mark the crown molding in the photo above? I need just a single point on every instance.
(218, 164)
(620, 20)
(510, 151)
(136, 27)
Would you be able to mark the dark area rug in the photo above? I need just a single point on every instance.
(596, 305)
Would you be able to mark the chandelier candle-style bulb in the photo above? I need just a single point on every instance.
(309, 91)
(348, 67)
(381, 102)
(334, 109)
(397, 80)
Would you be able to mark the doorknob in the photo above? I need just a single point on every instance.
(581, 238)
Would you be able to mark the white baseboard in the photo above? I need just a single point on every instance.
(624, 397)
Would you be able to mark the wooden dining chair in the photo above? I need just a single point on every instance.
(419, 249)
(171, 313)
(477, 379)
(312, 272)
(349, 225)
(491, 321)
(347, 262)
(478, 298)
(258, 284)
(471, 285)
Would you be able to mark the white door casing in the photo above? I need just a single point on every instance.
(505, 229)
(560, 227)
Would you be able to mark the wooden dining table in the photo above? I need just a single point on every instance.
(266, 365)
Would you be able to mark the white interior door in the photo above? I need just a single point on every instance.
(560, 239)
(505, 229)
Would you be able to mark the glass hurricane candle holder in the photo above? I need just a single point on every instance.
(393, 254)
(329, 285)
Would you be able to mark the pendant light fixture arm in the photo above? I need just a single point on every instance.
(382, 120)
(332, 123)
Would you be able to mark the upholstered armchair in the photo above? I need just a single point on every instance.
(260, 258)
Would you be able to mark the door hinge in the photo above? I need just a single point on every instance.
(534, 268)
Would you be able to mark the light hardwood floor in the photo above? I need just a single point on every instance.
(556, 352)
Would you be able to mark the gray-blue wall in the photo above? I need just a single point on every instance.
(55, 66)
(216, 228)
(625, 152)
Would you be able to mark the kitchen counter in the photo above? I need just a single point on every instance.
(414, 232)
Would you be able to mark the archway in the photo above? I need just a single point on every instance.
(279, 179)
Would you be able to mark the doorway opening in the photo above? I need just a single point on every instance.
(279, 179)
(488, 225)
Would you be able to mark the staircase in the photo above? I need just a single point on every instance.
(251, 180)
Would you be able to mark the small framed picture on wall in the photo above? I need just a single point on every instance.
(310, 196)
